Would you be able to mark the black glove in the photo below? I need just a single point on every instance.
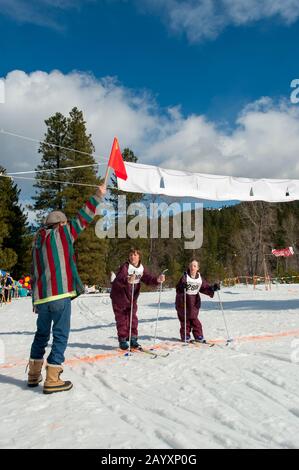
(216, 286)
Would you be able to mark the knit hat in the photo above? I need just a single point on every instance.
(55, 217)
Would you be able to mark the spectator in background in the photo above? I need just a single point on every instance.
(8, 286)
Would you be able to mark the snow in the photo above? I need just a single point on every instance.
(244, 395)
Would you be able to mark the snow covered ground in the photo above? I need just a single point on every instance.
(241, 396)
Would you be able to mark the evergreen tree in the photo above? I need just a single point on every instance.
(90, 251)
(50, 194)
(14, 236)
(71, 133)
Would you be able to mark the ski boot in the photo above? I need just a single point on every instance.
(123, 344)
(134, 343)
(188, 339)
(200, 339)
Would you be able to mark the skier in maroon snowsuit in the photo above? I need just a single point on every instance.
(131, 273)
(187, 292)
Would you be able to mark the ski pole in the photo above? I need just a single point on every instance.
(185, 314)
(158, 310)
(228, 340)
(131, 317)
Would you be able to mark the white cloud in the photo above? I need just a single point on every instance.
(264, 142)
(198, 19)
(109, 109)
(40, 12)
(206, 19)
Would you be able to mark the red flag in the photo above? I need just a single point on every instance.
(116, 161)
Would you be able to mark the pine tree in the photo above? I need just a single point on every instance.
(50, 194)
(91, 252)
(71, 133)
(14, 236)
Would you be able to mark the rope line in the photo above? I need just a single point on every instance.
(2, 131)
(49, 181)
(53, 169)
(57, 181)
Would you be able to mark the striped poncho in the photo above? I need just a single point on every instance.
(54, 270)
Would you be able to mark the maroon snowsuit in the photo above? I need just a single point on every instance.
(193, 303)
(121, 295)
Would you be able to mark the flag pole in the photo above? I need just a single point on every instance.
(106, 175)
(108, 167)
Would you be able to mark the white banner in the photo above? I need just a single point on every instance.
(155, 180)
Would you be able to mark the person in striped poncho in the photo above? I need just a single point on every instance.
(55, 281)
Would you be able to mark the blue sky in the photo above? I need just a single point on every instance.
(215, 77)
(202, 85)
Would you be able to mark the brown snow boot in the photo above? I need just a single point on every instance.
(34, 374)
(53, 383)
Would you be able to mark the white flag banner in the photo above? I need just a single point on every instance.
(155, 180)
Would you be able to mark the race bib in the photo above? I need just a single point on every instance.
(137, 271)
(193, 285)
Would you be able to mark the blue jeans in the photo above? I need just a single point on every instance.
(58, 312)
